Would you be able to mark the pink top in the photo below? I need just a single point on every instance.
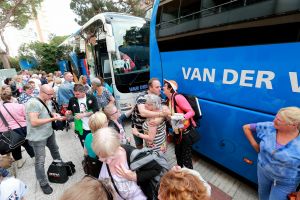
(17, 111)
(185, 107)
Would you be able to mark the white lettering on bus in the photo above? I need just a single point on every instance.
(207, 74)
(186, 75)
(196, 74)
(245, 76)
(294, 82)
(267, 79)
(234, 76)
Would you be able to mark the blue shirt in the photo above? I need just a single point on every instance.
(24, 97)
(65, 92)
(281, 163)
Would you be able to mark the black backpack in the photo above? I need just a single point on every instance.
(194, 102)
(141, 157)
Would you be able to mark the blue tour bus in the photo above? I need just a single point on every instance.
(239, 57)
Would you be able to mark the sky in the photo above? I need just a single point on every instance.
(59, 21)
(60, 17)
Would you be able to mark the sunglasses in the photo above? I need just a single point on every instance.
(107, 188)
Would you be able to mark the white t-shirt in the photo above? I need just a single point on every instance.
(12, 189)
(83, 109)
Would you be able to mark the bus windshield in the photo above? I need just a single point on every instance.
(131, 60)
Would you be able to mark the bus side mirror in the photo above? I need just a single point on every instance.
(111, 45)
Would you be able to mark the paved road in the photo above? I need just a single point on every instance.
(226, 186)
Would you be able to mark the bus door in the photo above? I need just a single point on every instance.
(102, 61)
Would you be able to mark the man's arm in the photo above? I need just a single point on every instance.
(147, 113)
(35, 121)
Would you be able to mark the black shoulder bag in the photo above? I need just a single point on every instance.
(56, 125)
(113, 182)
(10, 139)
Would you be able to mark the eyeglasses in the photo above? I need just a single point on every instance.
(107, 188)
(47, 93)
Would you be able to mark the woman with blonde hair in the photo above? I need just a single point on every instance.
(278, 151)
(97, 121)
(128, 184)
(183, 184)
(89, 188)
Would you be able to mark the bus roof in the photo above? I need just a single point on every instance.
(106, 17)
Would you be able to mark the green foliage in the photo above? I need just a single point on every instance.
(17, 13)
(14, 63)
(47, 55)
(57, 40)
(88, 9)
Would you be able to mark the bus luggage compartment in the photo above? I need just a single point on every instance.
(223, 139)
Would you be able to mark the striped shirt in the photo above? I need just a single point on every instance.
(160, 137)
(137, 119)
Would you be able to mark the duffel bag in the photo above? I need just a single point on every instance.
(57, 172)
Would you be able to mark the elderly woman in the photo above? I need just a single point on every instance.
(154, 128)
(127, 183)
(278, 153)
(26, 94)
(97, 120)
(104, 97)
(116, 120)
(183, 184)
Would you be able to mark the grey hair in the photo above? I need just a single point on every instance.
(154, 100)
(105, 142)
(96, 82)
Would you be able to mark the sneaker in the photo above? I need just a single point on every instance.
(47, 189)
(20, 163)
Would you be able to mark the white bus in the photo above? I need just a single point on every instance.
(115, 46)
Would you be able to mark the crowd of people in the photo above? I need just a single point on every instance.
(31, 102)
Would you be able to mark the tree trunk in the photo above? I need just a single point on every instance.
(4, 60)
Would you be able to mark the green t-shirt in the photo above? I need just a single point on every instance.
(37, 133)
(88, 145)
